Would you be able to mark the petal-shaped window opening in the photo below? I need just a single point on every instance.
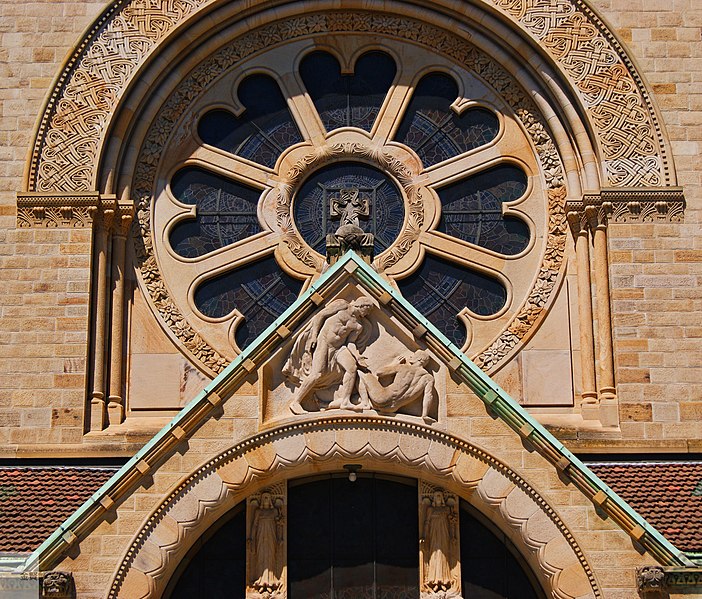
(330, 191)
(261, 132)
(260, 291)
(472, 210)
(434, 131)
(225, 212)
(440, 290)
(348, 100)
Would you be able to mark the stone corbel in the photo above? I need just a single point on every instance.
(658, 582)
(58, 585)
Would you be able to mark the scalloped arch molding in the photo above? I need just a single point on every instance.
(319, 446)
(97, 79)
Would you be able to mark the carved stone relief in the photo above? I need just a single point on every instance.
(266, 543)
(329, 368)
(58, 585)
(439, 547)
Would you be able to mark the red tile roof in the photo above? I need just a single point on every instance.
(667, 494)
(34, 501)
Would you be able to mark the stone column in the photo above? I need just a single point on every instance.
(597, 216)
(98, 405)
(579, 227)
(115, 406)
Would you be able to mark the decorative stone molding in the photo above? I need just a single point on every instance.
(77, 210)
(58, 585)
(665, 204)
(66, 151)
(325, 445)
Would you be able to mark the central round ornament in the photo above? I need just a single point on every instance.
(348, 194)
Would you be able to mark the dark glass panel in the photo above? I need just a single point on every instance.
(260, 291)
(440, 290)
(216, 564)
(312, 204)
(348, 100)
(261, 132)
(434, 131)
(353, 540)
(472, 210)
(226, 212)
(489, 570)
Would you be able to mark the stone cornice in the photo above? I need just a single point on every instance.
(70, 210)
(626, 205)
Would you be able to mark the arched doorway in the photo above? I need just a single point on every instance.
(354, 540)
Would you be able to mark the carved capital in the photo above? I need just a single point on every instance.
(626, 205)
(58, 585)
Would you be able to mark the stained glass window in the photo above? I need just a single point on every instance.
(225, 212)
(313, 204)
(434, 131)
(472, 210)
(260, 291)
(261, 132)
(440, 290)
(348, 100)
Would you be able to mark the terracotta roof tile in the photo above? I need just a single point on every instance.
(667, 494)
(34, 501)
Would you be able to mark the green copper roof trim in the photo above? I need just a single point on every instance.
(498, 401)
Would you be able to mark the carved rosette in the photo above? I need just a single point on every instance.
(306, 260)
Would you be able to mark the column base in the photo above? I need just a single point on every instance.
(97, 411)
(115, 410)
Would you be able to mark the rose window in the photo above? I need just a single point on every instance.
(422, 155)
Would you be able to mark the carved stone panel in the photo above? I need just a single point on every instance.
(351, 356)
(439, 547)
(266, 547)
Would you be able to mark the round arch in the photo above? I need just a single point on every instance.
(606, 125)
(324, 445)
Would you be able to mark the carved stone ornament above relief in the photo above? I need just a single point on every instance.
(327, 369)
(298, 255)
(75, 211)
(439, 544)
(66, 149)
(266, 525)
(58, 585)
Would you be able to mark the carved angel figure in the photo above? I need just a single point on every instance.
(438, 536)
(266, 539)
(411, 382)
(329, 352)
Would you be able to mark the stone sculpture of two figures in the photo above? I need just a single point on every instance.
(328, 368)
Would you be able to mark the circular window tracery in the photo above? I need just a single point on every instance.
(469, 143)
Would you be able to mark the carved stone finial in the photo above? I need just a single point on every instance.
(349, 207)
(650, 582)
(58, 585)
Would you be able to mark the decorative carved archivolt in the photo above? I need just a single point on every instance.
(324, 445)
(521, 325)
(68, 144)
